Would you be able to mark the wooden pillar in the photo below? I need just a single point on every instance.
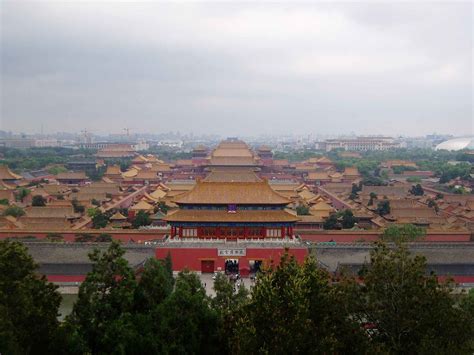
(246, 232)
(180, 232)
(282, 232)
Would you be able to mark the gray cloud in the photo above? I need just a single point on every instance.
(237, 69)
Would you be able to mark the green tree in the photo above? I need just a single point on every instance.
(38, 201)
(78, 208)
(355, 188)
(169, 265)
(383, 207)
(332, 222)
(4, 202)
(348, 219)
(412, 313)
(432, 204)
(403, 233)
(28, 304)
(194, 331)
(96, 174)
(99, 220)
(373, 196)
(162, 207)
(22, 193)
(302, 210)
(155, 285)
(417, 190)
(101, 320)
(141, 219)
(92, 212)
(14, 211)
(228, 304)
(296, 310)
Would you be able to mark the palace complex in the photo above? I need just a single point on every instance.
(232, 207)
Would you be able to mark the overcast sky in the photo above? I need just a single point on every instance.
(237, 68)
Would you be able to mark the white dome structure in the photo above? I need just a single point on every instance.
(457, 144)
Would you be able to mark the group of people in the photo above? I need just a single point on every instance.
(232, 266)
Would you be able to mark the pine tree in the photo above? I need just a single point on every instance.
(28, 304)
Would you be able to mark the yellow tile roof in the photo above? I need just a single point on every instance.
(142, 206)
(252, 216)
(130, 173)
(232, 193)
(7, 174)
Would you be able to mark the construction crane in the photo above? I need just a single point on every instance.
(127, 130)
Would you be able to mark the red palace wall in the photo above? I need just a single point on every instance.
(69, 236)
(194, 258)
(307, 235)
(66, 278)
(352, 237)
(458, 279)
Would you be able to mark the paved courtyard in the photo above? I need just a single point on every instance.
(208, 282)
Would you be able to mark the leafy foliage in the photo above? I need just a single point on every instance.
(22, 193)
(410, 311)
(162, 207)
(28, 304)
(342, 219)
(229, 305)
(348, 219)
(195, 330)
(39, 158)
(101, 315)
(38, 201)
(99, 219)
(383, 207)
(141, 219)
(14, 211)
(78, 208)
(302, 210)
(403, 233)
(332, 222)
(417, 190)
(294, 310)
(115, 313)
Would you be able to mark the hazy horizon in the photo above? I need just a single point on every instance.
(237, 69)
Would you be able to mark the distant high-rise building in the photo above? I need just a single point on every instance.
(359, 144)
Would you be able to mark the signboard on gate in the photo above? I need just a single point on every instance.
(231, 252)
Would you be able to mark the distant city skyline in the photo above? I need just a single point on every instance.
(190, 136)
(237, 69)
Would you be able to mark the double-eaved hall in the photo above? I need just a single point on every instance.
(230, 216)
